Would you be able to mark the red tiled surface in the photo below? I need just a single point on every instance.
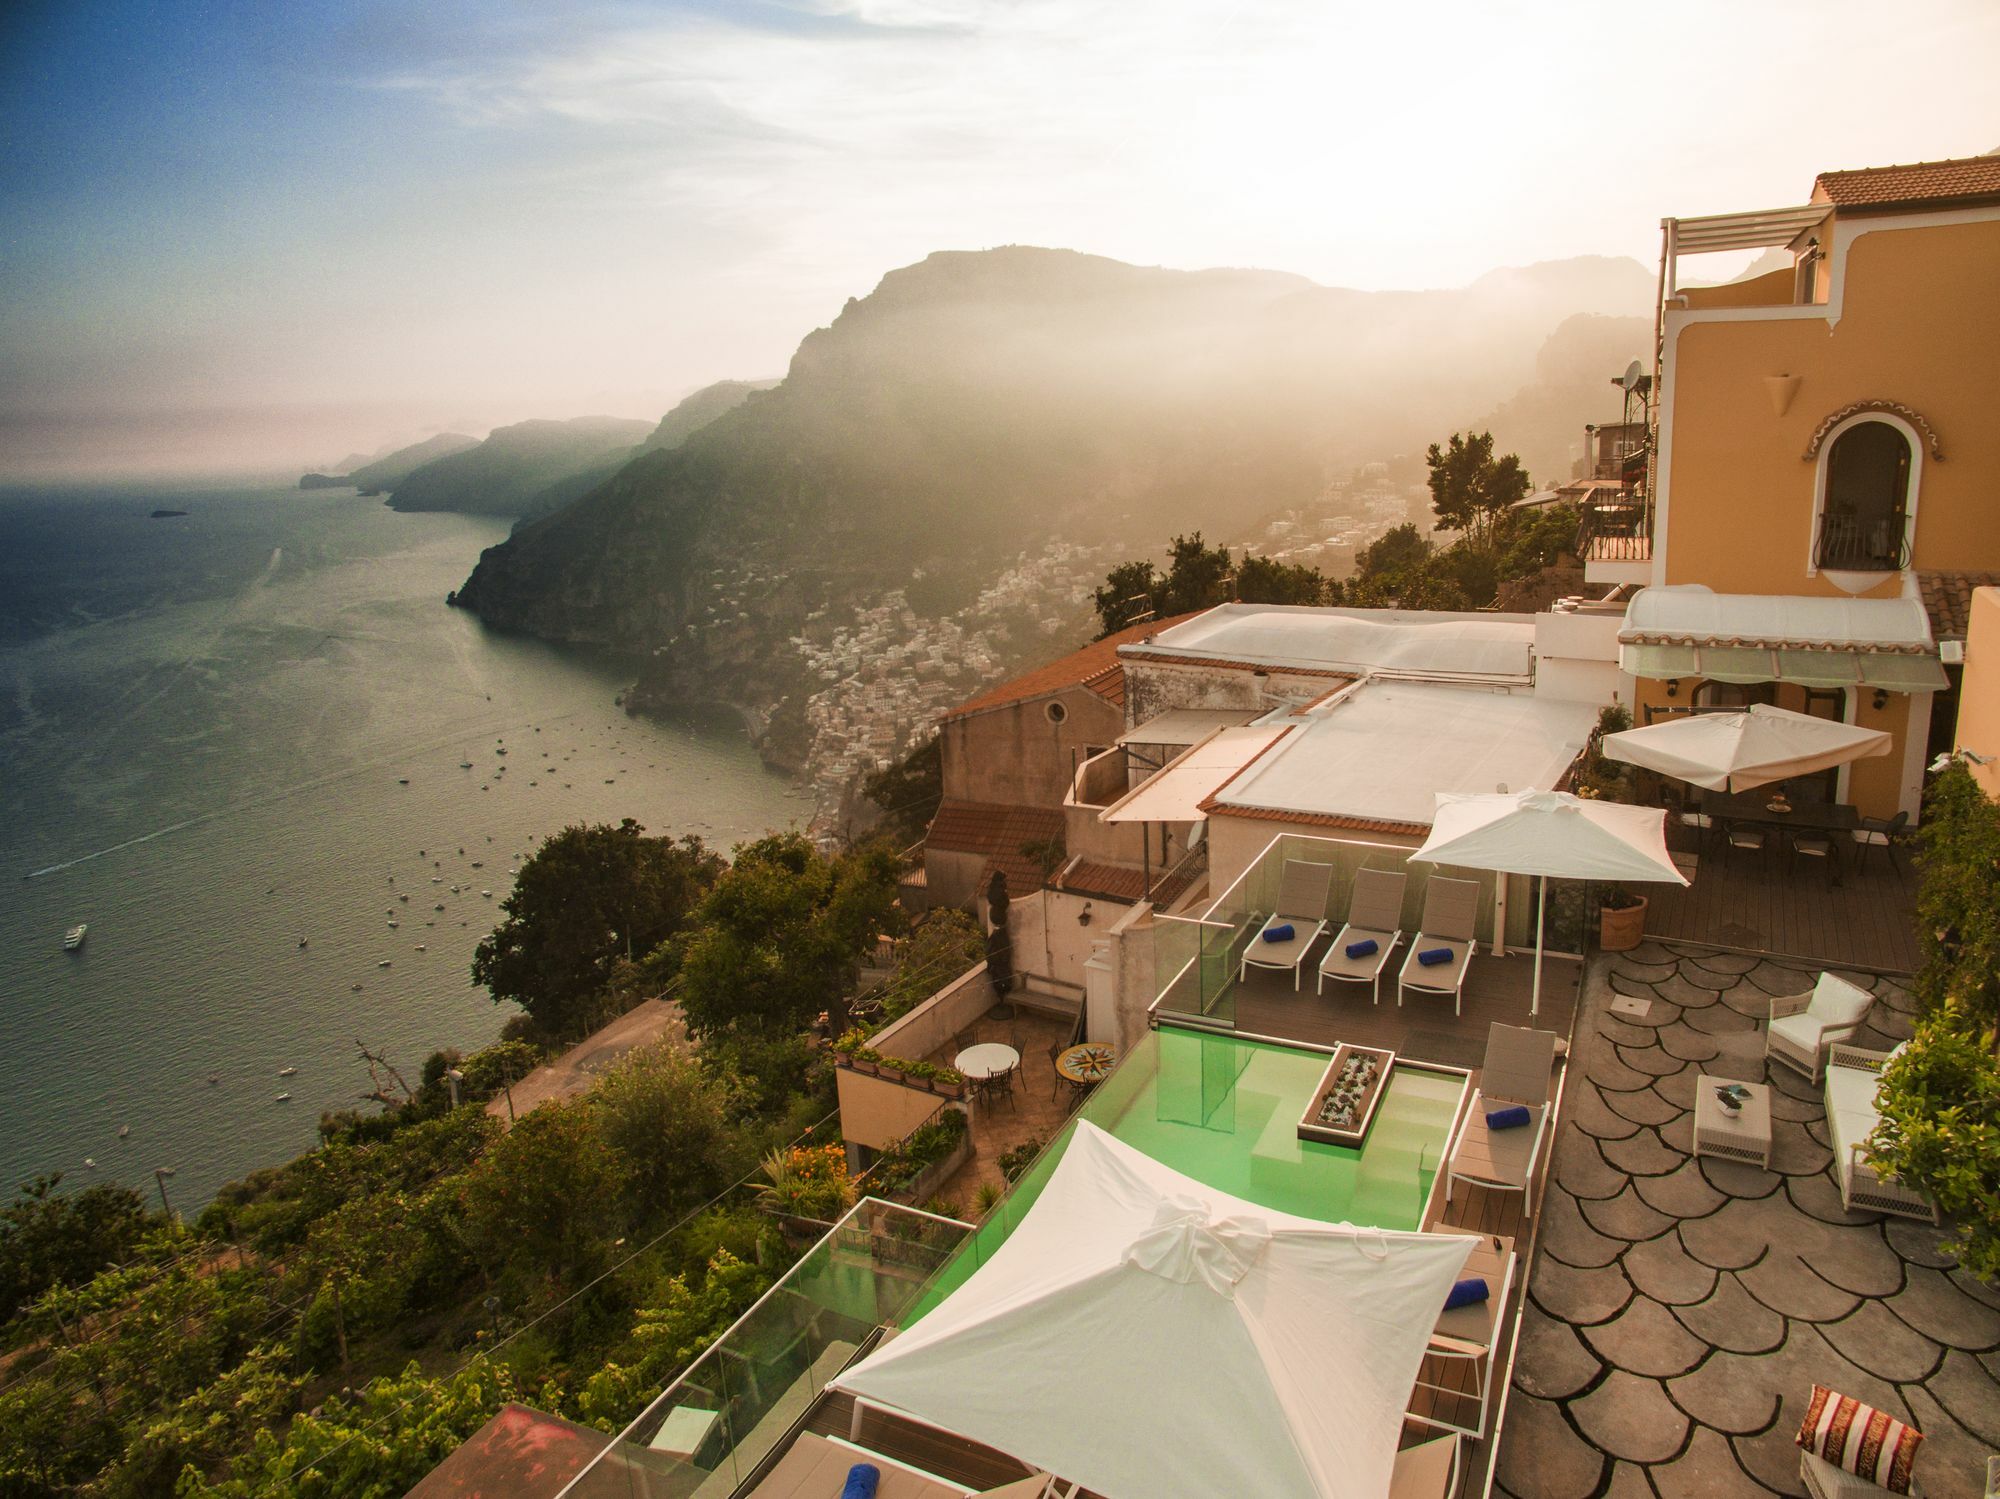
(1919, 182)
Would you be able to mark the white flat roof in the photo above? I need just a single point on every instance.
(1384, 751)
(1177, 792)
(1186, 725)
(1353, 640)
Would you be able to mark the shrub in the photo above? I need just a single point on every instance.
(1940, 1131)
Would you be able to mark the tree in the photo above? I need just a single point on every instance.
(909, 791)
(546, 1199)
(943, 945)
(588, 896)
(1259, 580)
(1471, 489)
(1958, 901)
(1939, 1103)
(50, 1238)
(669, 1121)
(1198, 576)
(779, 938)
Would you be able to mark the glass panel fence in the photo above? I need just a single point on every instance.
(709, 1431)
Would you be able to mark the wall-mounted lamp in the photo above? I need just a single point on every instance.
(1673, 686)
(1880, 700)
(1083, 916)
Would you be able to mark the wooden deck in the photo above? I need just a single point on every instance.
(1425, 1029)
(1770, 903)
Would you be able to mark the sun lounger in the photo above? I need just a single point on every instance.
(1428, 1470)
(1451, 911)
(1455, 1380)
(1302, 893)
(1519, 1065)
(1374, 914)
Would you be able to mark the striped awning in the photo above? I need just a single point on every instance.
(1810, 641)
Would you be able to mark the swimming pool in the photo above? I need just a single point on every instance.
(1225, 1111)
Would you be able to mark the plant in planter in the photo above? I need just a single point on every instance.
(808, 1181)
(1621, 916)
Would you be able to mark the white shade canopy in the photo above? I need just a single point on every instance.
(1736, 751)
(1151, 1337)
(1549, 833)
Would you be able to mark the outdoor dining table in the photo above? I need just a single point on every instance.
(987, 1059)
(1755, 807)
(1089, 1063)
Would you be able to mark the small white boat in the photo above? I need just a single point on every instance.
(288, 1072)
(73, 938)
(383, 964)
(89, 1163)
(478, 863)
(282, 1098)
(438, 907)
(403, 898)
(124, 1130)
(487, 893)
(393, 923)
(355, 987)
(402, 780)
(422, 948)
(302, 942)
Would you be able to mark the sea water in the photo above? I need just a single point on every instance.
(231, 742)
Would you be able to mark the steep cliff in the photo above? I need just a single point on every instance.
(978, 406)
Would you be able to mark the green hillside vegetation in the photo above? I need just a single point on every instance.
(501, 475)
(336, 1325)
(697, 410)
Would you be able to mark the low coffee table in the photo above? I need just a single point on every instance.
(1743, 1136)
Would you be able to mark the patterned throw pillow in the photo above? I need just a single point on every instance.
(1860, 1439)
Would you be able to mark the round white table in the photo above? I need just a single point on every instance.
(988, 1059)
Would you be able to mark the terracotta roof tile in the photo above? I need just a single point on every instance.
(521, 1452)
(998, 830)
(1948, 600)
(1119, 883)
(1962, 179)
(1090, 667)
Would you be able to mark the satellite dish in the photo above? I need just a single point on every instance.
(1631, 378)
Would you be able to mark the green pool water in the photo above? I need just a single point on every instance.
(1225, 1112)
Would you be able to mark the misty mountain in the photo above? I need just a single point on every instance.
(977, 406)
(501, 475)
(1543, 421)
(688, 417)
(393, 468)
(699, 409)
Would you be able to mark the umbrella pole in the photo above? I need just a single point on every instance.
(1541, 924)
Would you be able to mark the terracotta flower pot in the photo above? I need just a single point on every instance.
(1619, 929)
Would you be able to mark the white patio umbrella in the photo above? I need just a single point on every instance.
(1549, 833)
(1736, 751)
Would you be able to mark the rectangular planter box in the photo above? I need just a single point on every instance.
(1353, 1130)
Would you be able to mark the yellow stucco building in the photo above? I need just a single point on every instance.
(1826, 464)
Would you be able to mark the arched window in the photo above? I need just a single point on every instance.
(1865, 505)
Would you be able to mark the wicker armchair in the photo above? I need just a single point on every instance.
(1804, 1027)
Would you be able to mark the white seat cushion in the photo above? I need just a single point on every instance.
(1850, 1089)
(1801, 1032)
(1838, 1003)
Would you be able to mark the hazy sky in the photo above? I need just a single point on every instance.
(270, 232)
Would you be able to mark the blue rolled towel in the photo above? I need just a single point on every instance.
(1362, 948)
(1468, 1292)
(1512, 1117)
(1281, 933)
(1430, 957)
(861, 1481)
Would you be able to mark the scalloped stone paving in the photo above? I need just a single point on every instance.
(1680, 1310)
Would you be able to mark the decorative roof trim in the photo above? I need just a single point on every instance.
(1774, 643)
(1860, 408)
